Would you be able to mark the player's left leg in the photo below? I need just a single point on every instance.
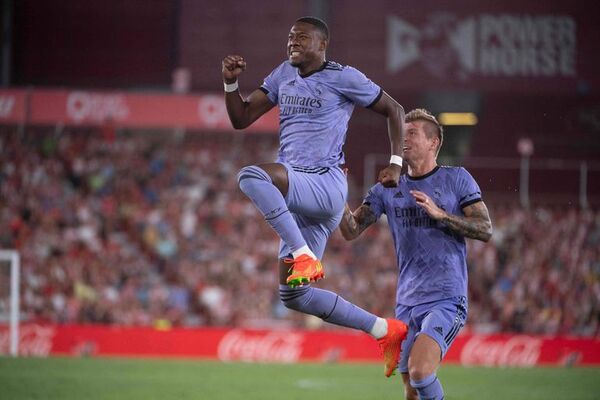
(439, 326)
(329, 306)
(310, 300)
(334, 309)
(423, 362)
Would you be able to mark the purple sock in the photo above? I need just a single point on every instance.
(429, 388)
(326, 305)
(258, 186)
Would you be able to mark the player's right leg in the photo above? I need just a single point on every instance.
(267, 185)
(316, 197)
(314, 192)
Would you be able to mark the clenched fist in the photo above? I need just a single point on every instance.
(390, 175)
(233, 66)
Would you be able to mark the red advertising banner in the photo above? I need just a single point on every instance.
(87, 108)
(288, 346)
(13, 106)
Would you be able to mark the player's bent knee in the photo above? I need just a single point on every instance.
(252, 172)
(294, 299)
(419, 372)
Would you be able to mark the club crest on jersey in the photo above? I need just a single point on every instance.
(318, 91)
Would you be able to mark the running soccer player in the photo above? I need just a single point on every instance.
(302, 195)
(429, 215)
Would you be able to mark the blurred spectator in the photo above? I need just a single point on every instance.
(150, 229)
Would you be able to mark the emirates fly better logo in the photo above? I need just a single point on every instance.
(485, 45)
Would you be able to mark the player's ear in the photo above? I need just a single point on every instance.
(323, 45)
(434, 143)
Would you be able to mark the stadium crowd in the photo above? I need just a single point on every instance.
(151, 229)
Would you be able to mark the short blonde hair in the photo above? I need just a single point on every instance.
(421, 114)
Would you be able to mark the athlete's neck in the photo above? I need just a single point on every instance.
(420, 168)
(308, 69)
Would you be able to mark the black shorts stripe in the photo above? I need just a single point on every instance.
(308, 168)
(311, 170)
(458, 323)
(453, 333)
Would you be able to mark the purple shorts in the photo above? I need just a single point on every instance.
(441, 320)
(316, 198)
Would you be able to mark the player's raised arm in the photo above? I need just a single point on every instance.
(242, 112)
(394, 113)
(354, 223)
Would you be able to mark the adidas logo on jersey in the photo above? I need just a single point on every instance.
(439, 330)
(399, 195)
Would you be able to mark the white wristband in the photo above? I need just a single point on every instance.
(396, 160)
(230, 87)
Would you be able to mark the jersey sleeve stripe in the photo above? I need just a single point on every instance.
(262, 89)
(468, 195)
(376, 98)
(468, 203)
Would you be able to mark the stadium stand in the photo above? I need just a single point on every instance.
(150, 229)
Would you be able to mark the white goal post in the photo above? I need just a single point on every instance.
(12, 256)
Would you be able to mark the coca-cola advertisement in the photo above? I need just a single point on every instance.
(275, 346)
(517, 351)
(34, 340)
(286, 345)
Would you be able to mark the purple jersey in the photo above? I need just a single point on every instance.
(314, 110)
(431, 259)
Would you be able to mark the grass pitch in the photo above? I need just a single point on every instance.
(144, 379)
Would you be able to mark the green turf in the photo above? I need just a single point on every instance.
(101, 378)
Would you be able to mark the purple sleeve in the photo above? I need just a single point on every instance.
(467, 190)
(270, 85)
(358, 88)
(374, 200)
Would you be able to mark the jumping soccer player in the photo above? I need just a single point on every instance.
(429, 214)
(302, 195)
